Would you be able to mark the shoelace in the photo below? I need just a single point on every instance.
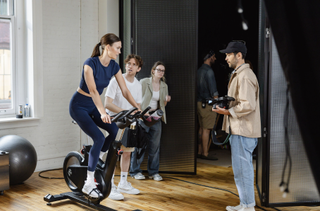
(114, 188)
(95, 190)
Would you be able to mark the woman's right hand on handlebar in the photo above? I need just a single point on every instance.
(106, 118)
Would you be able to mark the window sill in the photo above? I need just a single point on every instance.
(7, 123)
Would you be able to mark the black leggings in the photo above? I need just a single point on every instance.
(85, 113)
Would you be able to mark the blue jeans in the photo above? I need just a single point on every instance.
(241, 155)
(153, 148)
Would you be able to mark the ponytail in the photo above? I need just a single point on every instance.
(107, 39)
(96, 50)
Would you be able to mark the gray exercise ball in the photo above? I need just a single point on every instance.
(22, 157)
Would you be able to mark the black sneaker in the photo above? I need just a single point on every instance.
(208, 157)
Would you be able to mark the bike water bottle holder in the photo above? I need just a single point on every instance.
(146, 119)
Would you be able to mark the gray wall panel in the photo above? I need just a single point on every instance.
(302, 187)
(167, 31)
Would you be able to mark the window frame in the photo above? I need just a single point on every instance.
(29, 70)
(12, 19)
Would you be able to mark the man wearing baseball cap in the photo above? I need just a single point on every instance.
(242, 119)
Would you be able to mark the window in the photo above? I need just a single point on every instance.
(7, 57)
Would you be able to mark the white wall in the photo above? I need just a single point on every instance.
(108, 17)
(70, 29)
(89, 36)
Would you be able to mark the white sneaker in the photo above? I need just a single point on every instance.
(126, 187)
(91, 190)
(236, 208)
(247, 209)
(139, 176)
(156, 177)
(115, 194)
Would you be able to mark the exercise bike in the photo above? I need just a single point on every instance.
(75, 164)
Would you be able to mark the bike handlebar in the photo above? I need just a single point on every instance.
(122, 114)
(124, 118)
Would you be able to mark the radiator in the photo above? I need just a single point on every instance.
(4, 171)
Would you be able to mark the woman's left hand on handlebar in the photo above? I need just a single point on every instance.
(136, 111)
(106, 118)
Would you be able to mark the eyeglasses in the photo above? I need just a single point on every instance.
(159, 70)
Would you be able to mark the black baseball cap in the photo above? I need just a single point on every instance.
(208, 55)
(235, 46)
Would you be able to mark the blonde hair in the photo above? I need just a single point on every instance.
(154, 68)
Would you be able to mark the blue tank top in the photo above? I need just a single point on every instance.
(102, 75)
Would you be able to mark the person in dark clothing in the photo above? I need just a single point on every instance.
(206, 88)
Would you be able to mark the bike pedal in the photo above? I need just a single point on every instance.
(95, 201)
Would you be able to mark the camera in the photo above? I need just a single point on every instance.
(222, 102)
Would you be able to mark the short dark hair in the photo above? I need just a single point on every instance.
(135, 57)
(243, 55)
(209, 55)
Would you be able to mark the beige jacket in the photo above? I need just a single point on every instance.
(147, 95)
(245, 110)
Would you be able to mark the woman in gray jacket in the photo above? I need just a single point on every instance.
(154, 94)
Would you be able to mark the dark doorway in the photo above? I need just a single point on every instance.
(165, 30)
(179, 33)
(220, 23)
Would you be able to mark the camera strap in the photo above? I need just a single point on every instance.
(214, 133)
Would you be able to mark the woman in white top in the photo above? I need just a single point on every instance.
(154, 94)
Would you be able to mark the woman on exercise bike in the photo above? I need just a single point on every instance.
(86, 107)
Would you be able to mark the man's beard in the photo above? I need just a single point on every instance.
(232, 66)
(233, 63)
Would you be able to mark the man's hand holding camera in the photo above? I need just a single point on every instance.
(221, 105)
(221, 110)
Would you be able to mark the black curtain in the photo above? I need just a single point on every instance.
(166, 30)
(296, 30)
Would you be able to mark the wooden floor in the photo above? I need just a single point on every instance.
(176, 192)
